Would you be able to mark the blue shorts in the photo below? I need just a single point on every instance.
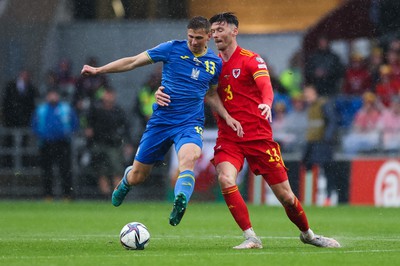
(157, 140)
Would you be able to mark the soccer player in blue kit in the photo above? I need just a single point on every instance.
(190, 76)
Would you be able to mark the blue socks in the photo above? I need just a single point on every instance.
(125, 182)
(185, 184)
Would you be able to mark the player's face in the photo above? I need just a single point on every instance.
(224, 34)
(197, 40)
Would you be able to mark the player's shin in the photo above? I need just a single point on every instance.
(237, 207)
(297, 215)
(185, 184)
(183, 191)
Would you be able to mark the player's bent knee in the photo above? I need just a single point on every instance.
(288, 202)
(188, 161)
(225, 181)
(287, 199)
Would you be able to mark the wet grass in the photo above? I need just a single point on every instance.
(86, 233)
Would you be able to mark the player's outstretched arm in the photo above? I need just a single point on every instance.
(120, 65)
(212, 98)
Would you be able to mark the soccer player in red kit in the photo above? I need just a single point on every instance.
(246, 92)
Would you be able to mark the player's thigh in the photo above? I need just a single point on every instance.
(153, 146)
(264, 158)
(227, 151)
(188, 134)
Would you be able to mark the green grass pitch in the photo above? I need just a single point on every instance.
(86, 233)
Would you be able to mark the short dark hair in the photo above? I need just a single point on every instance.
(199, 22)
(228, 17)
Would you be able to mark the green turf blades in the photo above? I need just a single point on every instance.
(87, 233)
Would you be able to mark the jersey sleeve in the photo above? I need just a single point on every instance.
(258, 68)
(161, 52)
(218, 68)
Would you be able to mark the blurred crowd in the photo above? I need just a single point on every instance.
(364, 96)
(321, 107)
(66, 107)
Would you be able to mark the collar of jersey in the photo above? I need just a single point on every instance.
(197, 55)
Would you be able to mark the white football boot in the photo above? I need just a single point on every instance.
(320, 241)
(250, 242)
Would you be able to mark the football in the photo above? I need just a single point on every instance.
(134, 236)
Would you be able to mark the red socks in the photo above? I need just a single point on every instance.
(297, 215)
(237, 207)
(240, 213)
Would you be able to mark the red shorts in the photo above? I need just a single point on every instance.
(263, 156)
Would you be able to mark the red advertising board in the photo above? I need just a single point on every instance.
(375, 181)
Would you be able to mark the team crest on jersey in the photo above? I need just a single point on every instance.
(195, 74)
(236, 72)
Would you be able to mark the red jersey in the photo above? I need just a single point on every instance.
(244, 83)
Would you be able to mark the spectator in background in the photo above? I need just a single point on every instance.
(324, 69)
(393, 60)
(387, 87)
(357, 79)
(296, 123)
(145, 96)
(54, 123)
(390, 126)
(50, 82)
(364, 134)
(88, 90)
(375, 62)
(281, 135)
(19, 101)
(65, 80)
(289, 127)
(292, 78)
(18, 104)
(320, 137)
(108, 134)
(394, 45)
(280, 93)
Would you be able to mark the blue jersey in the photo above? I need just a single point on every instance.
(186, 78)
